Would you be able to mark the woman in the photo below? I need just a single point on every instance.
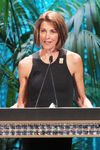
(49, 76)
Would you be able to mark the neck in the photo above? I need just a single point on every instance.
(48, 52)
(45, 55)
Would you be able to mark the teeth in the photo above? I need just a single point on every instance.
(47, 42)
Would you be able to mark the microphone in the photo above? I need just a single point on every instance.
(50, 60)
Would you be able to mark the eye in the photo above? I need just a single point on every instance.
(53, 31)
(42, 30)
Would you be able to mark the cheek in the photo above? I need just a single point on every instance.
(41, 38)
(56, 38)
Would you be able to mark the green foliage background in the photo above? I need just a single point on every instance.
(83, 29)
(17, 20)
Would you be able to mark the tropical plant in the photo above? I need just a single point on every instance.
(83, 23)
(17, 20)
(83, 28)
(84, 38)
(10, 144)
(16, 33)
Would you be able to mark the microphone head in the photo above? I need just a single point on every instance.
(50, 59)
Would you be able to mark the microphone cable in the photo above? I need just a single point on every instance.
(50, 60)
(42, 85)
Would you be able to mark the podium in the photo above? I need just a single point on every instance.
(49, 122)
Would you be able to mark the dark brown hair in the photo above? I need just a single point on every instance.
(59, 24)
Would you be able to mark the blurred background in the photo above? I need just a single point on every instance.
(17, 21)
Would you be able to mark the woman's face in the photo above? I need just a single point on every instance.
(48, 36)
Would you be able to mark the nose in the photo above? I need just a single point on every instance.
(47, 35)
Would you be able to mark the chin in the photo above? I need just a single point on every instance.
(48, 48)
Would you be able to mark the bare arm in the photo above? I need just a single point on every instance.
(81, 98)
(76, 68)
(23, 72)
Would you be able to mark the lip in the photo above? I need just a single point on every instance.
(47, 42)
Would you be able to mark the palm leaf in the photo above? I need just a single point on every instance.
(78, 4)
(70, 24)
(68, 9)
(78, 143)
(88, 16)
(55, 5)
(64, 13)
(97, 51)
(12, 83)
(14, 37)
(6, 11)
(98, 3)
(73, 4)
(1, 5)
(91, 60)
(78, 21)
(71, 42)
(11, 96)
(80, 45)
(91, 89)
(8, 143)
(12, 80)
(95, 17)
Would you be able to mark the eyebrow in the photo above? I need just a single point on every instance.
(46, 28)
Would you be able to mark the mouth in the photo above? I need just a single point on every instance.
(47, 42)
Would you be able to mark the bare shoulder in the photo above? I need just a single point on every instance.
(25, 65)
(73, 57)
(74, 62)
(26, 61)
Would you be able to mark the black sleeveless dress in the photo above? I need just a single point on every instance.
(63, 82)
(43, 97)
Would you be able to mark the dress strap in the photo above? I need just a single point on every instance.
(63, 52)
(36, 55)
